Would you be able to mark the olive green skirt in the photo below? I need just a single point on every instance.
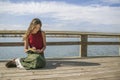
(33, 61)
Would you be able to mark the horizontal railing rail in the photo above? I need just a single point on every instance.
(60, 43)
(7, 33)
(65, 34)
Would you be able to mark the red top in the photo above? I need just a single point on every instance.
(36, 40)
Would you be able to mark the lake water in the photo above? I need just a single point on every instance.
(62, 50)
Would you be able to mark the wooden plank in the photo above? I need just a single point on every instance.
(84, 74)
(61, 69)
(105, 70)
(62, 33)
(42, 72)
(109, 78)
(11, 44)
(83, 66)
(59, 36)
(48, 43)
(61, 43)
(79, 63)
(103, 43)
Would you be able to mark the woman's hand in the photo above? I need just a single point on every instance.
(39, 51)
(36, 50)
(32, 49)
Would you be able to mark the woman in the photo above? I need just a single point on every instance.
(34, 44)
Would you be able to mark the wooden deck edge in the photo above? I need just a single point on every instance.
(70, 58)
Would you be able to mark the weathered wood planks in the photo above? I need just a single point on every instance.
(103, 68)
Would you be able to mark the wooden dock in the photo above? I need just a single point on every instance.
(84, 68)
(97, 68)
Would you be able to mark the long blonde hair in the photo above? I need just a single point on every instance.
(32, 25)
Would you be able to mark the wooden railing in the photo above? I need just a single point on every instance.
(65, 34)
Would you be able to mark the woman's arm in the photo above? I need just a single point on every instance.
(44, 41)
(25, 46)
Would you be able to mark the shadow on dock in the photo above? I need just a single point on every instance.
(54, 64)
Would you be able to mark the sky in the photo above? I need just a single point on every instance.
(62, 15)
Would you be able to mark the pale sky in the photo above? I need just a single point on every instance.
(67, 15)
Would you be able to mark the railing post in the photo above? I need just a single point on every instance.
(119, 51)
(84, 39)
(119, 47)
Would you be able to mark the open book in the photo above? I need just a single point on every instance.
(30, 50)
